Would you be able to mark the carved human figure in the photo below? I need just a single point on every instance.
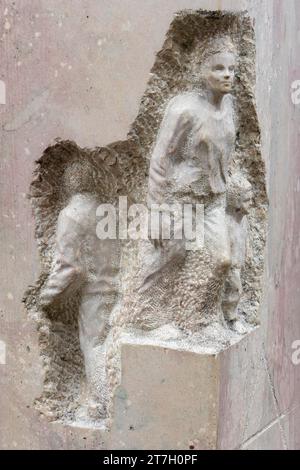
(190, 161)
(85, 264)
(239, 197)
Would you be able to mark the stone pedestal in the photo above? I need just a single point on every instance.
(168, 399)
(194, 398)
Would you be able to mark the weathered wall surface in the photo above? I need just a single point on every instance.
(79, 73)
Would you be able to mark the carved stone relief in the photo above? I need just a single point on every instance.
(195, 142)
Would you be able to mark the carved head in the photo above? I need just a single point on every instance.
(218, 67)
(239, 194)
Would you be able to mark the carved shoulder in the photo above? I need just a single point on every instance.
(181, 107)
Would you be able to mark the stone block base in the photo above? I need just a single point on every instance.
(168, 397)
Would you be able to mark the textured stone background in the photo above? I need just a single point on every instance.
(77, 70)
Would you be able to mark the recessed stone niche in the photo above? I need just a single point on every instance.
(131, 332)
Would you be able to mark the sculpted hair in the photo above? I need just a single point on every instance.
(217, 45)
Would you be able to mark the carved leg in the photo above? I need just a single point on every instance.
(93, 330)
(216, 237)
(217, 244)
(232, 294)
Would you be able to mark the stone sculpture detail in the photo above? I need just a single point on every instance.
(239, 196)
(192, 154)
(190, 164)
(83, 263)
(195, 141)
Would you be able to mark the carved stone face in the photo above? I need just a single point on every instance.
(219, 72)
